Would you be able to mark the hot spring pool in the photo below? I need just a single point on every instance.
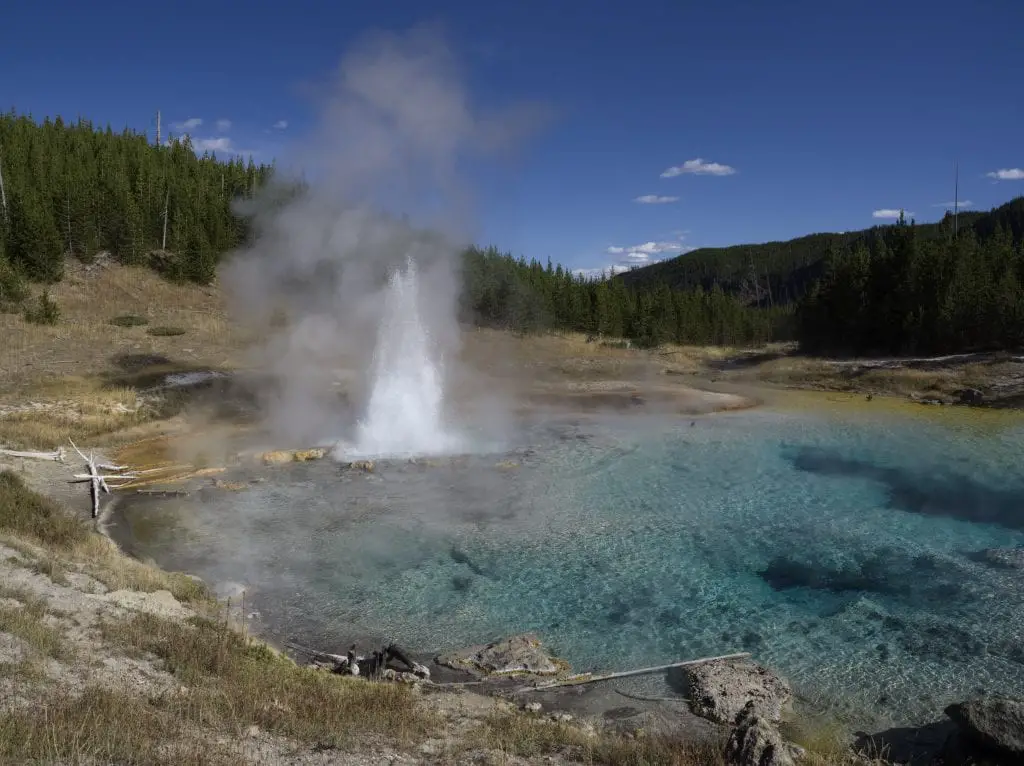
(844, 550)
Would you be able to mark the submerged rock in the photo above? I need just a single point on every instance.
(366, 466)
(1008, 558)
(276, 457)
(756, 741)
(992, 724)
(519, 654)
(718, 691)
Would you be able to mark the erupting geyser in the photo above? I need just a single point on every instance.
(404, 416)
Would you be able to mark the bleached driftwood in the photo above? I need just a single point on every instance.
(588, 678)
(79, 477)
(57, 455)
(97, 481)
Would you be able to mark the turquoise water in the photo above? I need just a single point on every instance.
(842, 551)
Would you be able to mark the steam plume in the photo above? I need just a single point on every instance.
(383, 170)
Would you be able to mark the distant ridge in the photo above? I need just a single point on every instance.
(785, 270)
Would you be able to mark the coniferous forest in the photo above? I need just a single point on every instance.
(73, 190)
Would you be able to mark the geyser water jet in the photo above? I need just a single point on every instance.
(386, 154)
(405, 412)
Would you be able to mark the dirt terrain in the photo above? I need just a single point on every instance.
(132, 664)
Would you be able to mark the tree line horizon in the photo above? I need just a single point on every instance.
(74, 190)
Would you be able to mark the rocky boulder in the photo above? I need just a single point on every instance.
(970, 396)
(756, 741)
(1009, 558)
(718, 691)
(991, 724)
(522, 654)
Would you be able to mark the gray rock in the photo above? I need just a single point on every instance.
(1011, 558)
(970, 396)
(755, 741)
(718, 691)
(994, 723)
(518, 654)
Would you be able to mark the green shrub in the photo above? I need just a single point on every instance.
(12, 287)
(165, 332)
(129, 320)
(46, 311)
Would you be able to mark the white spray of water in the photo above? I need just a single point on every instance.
(356, 356)
(405, 414)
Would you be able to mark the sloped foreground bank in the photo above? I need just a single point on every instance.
(104, 659)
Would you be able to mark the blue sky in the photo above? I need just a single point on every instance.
(779, 118)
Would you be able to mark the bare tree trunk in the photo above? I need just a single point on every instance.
(167, 202)
(3, 193)
(67, 205)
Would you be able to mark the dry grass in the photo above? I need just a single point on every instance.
(28, 514)
(100, 558)
(40, 528)
(84, 340)
(816, 373)
(235, 683)
(516, 734)
(55, 410)
(26, 622)
(105, 726)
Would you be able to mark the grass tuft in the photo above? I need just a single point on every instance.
(515, 734)
(129, 320)
(28, 514)
(165, 331)
(235, 683)
(105, 726)
(26, 622)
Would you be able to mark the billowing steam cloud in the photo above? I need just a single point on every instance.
(382, 172)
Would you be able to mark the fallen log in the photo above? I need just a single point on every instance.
(57, 455)
(376, 664)
(587, 678)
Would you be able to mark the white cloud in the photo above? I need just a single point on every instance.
(190, 124)
(699, 167)
(1007, 174)
(628, 257)
(222, 145)
(646, 248)
(654, 199)
(893, 213)
(280, 124)
(610, 271)
(951, 205)
(223, 125)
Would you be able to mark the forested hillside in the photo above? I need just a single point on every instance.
(776, 273)
(502, 291)
(73, 190)
(904, 293)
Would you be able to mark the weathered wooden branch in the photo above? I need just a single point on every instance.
(57, 455)
(97, 481)
(589, 679)
(89, 477)
(642, 698)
